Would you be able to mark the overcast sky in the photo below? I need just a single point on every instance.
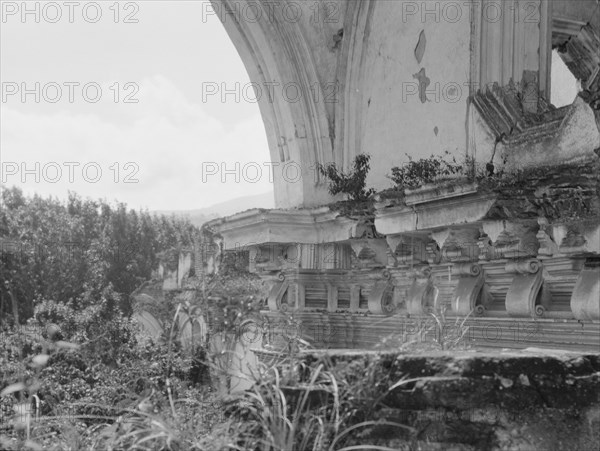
(166, 136)
(158, 53)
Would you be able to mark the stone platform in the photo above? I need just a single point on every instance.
(532, 399)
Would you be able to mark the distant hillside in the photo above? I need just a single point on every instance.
(202, 215)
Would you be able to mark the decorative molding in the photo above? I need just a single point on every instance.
(564, 29)
(434, 253)
(461, 245)
(305, 226)
(349, 132)
(276, 294)
(369, 253)
(381, 298)
(585, 300)
(420, 297)
(580, 54)
(517, 241)
(434, 214)
(468, 290)
(548, 247)
(522, 296)
(486, 248)
(411, 249)
(505, 49)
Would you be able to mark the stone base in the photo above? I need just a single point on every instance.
(360, 331)
(518, 400)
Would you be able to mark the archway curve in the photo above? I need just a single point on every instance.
(277, 58)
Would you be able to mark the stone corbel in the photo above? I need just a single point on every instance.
(469, 289)
(585, 300)
(279, 288)
(381, 298)
(421, 293)
(526, 289)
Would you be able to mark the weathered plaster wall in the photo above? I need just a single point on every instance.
(389, 78)
(409, 107)
(362, 87)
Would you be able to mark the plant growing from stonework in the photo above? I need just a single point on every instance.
(323, 407)
(416, 173)
(435, 333)
(352, 183)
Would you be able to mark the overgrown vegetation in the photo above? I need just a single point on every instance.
(353, 184)
(435, 168)
(103, 385)
(80, 372)
(73, 251)
(322, 406)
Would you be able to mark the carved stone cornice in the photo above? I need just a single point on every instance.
(434, 212)
(308, 226)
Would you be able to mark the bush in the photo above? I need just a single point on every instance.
(426, 170)
(353, 184)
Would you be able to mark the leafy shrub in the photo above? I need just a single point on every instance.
(321, 406)
(353, 183)
(426, 170)
(76, 249)
(84, 391)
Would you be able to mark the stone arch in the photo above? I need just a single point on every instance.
(351, 76)
(276, 55)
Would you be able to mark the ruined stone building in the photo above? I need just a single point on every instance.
(515, 246)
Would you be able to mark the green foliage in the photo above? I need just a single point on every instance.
(233, 296)
(71, 252)
(90, 391)
(321, 407)
(427, 170)
(353, 184)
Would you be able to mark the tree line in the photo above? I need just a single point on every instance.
(78, 251)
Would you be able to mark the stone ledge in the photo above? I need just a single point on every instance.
(526, 400)
(308, 226)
